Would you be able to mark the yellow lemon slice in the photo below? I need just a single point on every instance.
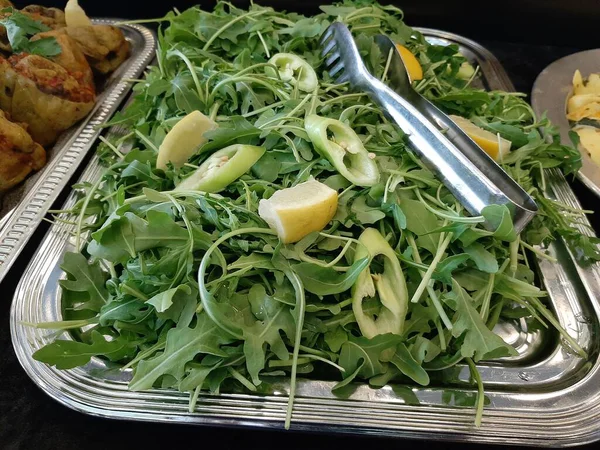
(300, 210)
(413, 67)
(495, 146)
(75, 16)
(183, 140)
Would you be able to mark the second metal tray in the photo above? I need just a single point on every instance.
(551, 91)
(545, 396)
(23, 207)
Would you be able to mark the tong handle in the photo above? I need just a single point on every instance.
(522, 204)
(463, 178)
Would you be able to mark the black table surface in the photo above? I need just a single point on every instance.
(30, 419)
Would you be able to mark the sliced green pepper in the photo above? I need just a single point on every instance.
(389, 286)
(294, 70)
(344, 150)
(222, 168)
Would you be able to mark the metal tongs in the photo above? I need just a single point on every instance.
(465, 169)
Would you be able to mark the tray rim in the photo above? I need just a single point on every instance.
(20, 223)
(274, 403)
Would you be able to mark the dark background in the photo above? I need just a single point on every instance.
(526, 35)
(556, 22)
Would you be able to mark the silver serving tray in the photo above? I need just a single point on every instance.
(24, 207)
(552, 89)
(545, 396)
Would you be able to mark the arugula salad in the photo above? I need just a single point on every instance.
(181, 275)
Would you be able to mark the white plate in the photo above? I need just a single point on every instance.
(551, 90)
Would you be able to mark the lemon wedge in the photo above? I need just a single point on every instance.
(495, 146)
(184, 138)
(75, 16)
(589, 139)
(300, 210)
(413, 67)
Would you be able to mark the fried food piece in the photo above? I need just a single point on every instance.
(19, 154)
(71, 57)
(4, 44)
(5, 4)
(51, 17)
(104, 46)
(42, 94)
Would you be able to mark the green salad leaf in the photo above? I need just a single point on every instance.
(19, 27)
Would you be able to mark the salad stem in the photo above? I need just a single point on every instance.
(427, 277)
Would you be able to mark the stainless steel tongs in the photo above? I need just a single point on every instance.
(467, 171)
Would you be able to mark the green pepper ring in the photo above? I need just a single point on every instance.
(290, 67)
(347, 154)
(390, 285)
(222, 168)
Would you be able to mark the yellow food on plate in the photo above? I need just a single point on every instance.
(494, 145)
(585, 101)
(579, 101)
(75, 16)
(183, 140)
(589, 111)
(589, 140)
(300, 210)
(413, 67)
(591, 86)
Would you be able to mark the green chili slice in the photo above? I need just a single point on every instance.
(389, 286)
(337, 142)
(294, 70)
(222, 168)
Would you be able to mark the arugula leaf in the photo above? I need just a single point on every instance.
(397, 213)
(444, 270)
(420, 319)
(326, 281)
(500, 218)
(306, 28)
(69, 354)
(183, 344)
(421, 222)
(237, 131)
(129, 234)
(267, 332)
(365, 214)
(336, 338)
(362, 356)
(424, 350)
(484, 260)
(163, 301)
(479, 342)
(87, 280)
(406, 364)
(124, 310)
